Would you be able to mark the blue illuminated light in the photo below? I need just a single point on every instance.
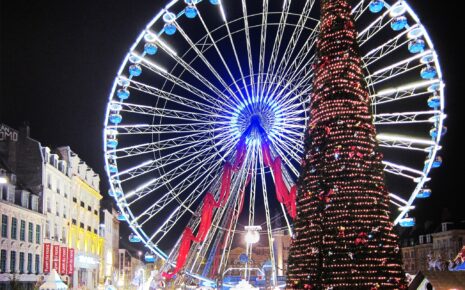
(424, 193)
(135, 70)
(112, 143)
(150, 48)
(407, 222)
(376, 6)
(190, 12)
(416, 46)
(434, 102)
(398, 23)
(428, 73)
(115, 118)
(170, 29)
(123, 94)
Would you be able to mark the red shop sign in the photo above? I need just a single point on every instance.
(56, 257)
(63, 260)
(70, 261)
(46, 258)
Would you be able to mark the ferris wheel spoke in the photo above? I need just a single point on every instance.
(169, 113)
(221, 55)
(404, 171)
(397, 69)
(136, 129)
(261, 60)
(403, 92)
(388, 47)
(165, 144)
(289, 99)
(280, 147)
(292, 44)
(267, 219)
(249, 48)
(183, 208)
(218, 103)
(284, 147)
(151, 165)
(199, 252)
(299, 66)
(407, 143)
(276, 44)
(359, 9)
(224, 100)
(408, 117)
(189, 165)
(208, 64)
(376, 26)
(172, 97)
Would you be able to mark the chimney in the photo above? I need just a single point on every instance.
(24, 129)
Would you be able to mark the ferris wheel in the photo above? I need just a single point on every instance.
(214, 92)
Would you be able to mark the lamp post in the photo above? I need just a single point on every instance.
(252, 236)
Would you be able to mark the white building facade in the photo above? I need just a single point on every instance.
(109, 230)
(21, 234)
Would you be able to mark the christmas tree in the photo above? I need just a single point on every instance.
(343, 233)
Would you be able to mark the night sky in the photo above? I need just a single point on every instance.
(59, 59)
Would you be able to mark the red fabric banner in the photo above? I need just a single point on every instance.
(56, 257)
(63, 260)
(70, 261)
(46, 258)
(283, 195)
(209, 204)
(186, 239)
(240, 153)
(225, 184)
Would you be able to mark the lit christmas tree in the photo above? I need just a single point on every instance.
(343, 233)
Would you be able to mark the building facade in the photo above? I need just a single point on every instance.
(65, 190)
(109, 230)
(21, 234)
(439, 246)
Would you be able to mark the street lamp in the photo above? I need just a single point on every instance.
(3, 178)
(252, 236)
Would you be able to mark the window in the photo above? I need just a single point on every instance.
(13, 261)
(57, 208)
(29, 263)
(49, 205)
(64, 211)
(22, 231)
(47, 230)
(82, 204)
(4, 191)
(3, 261)
(38, 234)
(63, 235)
(37, 264)
(55, 233)
(14, 228)
(49, 181)
(30, 233)
(21, 262)
(4, 226)
(25, 199)
(35, 202)
(81, 225)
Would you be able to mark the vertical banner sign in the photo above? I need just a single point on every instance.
(46, 258)
(70, 261)
(56, 257)
(63, 260)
